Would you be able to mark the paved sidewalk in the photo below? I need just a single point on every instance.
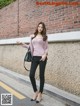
(25, 88)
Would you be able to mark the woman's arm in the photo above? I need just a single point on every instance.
(46, 51)
(27, 45)
(46, 47)
(23, 44)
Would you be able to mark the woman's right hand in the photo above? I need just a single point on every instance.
(18, 42)
(23, 44)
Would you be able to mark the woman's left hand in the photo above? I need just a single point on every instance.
(43, 57)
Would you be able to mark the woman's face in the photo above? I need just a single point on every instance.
(40, 28)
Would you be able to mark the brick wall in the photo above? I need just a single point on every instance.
(57, 18)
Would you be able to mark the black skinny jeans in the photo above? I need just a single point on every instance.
(42, 64)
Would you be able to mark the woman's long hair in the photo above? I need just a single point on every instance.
(43, 33)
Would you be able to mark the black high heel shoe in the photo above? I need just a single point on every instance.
(38, 99)
(34, 97)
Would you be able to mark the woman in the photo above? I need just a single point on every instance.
(39, 50)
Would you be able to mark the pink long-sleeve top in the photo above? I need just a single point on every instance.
(38, 46)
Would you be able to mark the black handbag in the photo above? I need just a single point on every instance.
(27, 58)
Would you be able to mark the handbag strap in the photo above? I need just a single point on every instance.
(25, 66)
(24, 60)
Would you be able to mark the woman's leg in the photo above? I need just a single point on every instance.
(42, 66)
(34, 65)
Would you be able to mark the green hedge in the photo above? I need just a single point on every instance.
(4, 3)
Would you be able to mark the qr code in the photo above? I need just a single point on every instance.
(6, 99)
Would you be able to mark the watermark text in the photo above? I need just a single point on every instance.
(57, 3)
